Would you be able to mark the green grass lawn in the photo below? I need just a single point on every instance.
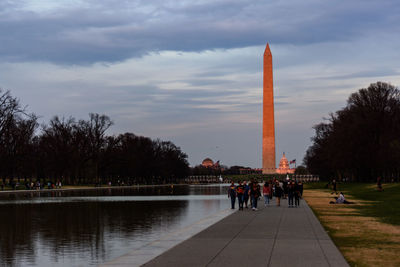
(368, 232)
(384, 206)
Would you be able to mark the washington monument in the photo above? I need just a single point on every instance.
(268, 156)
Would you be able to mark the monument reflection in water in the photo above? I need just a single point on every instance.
(90, 227)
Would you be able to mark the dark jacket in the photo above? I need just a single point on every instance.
(278, 191)
(255, 190)
(232, 191)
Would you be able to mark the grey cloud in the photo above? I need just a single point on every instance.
(364, 74)
(161, 103)
(109, 31)
(206, 82)
(317, 101)
(213, 73)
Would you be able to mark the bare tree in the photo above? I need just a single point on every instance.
(360, 141)
(9, 109)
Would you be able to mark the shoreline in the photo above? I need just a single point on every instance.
(155, 248)
(152, 244)
(81, 188)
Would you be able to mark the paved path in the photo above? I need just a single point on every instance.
(271, 236)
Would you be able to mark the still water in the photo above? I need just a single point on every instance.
(86, 228)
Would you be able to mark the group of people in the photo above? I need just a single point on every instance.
(290, 189)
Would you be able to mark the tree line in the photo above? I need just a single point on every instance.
(79, 151)
(361, 141)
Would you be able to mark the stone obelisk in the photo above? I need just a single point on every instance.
(268, 157)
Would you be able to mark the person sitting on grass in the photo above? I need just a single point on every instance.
(340, 200)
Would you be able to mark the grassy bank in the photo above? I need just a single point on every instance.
(367, 232)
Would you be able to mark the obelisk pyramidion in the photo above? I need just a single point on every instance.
(268, 156)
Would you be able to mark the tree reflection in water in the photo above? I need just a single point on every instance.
(80, 229)
(93, 231)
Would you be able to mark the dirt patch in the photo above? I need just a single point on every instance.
(364, 241)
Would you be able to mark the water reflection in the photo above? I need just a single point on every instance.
(121, 191)
(71, 229)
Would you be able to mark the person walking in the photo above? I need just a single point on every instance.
(379, 184)
(285, 188)
(246, 194)
(334, 189)
(250, 186)
(300, 188)
(297, 194)
(232, 194)
(254, 194)
(240, 193)
(290, 190)
(278, 193)
(271, 189)
(266, 193)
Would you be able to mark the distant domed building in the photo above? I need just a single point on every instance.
(284, 167)
(208, 163)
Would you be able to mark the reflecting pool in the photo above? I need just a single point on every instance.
(89, 227)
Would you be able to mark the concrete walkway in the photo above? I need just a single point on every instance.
(271, 236)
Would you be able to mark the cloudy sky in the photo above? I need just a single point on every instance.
(191, 71)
